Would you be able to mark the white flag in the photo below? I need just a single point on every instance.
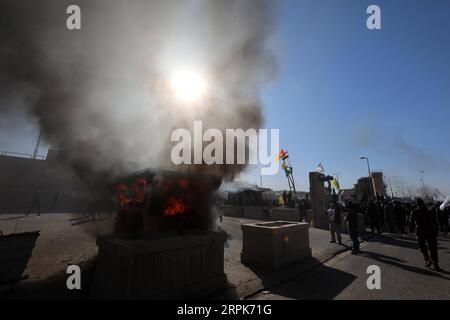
(320, 169)
(445, 205)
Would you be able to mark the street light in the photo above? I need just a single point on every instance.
(370, 176)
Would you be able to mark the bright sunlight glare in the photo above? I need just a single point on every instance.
(188, 86)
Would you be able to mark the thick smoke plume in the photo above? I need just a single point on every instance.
(100, 93)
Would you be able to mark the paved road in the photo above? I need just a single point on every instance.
(67, 239)
(403, 274)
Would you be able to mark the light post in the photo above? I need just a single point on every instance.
(370, 176)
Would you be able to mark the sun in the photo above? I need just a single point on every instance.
(188, 86)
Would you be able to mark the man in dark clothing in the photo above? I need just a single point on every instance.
(302, 210)
(389, 217)
(426, 231)
(372, 214)
(352, 224)
(400, 217)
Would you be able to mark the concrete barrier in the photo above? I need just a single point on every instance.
(160, 266)
(274, 245)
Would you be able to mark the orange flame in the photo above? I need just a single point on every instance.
(175, 206)
(134, 192)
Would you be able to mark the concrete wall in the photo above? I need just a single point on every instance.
(233, 211)
(282, 214)
(60, 190)
(318, 201)
(255, 213)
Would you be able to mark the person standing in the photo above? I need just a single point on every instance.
(400, 217)
(352, 224)
(389, 217)
(426, 227)
(334, 218)
(302, 210)
(372, 214)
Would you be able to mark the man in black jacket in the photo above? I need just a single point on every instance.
(352, 224)
(372, 214)
(426, 232)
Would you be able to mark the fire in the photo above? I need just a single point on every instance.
(175, 206)
(132, 193)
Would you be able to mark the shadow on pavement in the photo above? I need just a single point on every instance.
(52, 288)
(395, 262)
(324, 283)
(398, 241)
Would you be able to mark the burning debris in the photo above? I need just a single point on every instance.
(158, 201)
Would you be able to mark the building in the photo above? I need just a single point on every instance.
(378, 183)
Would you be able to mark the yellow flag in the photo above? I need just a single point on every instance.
(335, 184)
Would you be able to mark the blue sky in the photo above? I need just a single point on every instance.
(343, 91)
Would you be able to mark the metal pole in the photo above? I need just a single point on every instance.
(368, 166)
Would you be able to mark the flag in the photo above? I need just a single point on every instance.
(281, 201)
(283, 155)
(445, 205)
(320, 169)
(341, 201)
(335, 184)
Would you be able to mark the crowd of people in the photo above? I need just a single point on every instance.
(427, 220)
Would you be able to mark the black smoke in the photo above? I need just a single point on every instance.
(98, 93)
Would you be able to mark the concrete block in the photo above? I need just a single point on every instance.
(274, 245)
(160, 266)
